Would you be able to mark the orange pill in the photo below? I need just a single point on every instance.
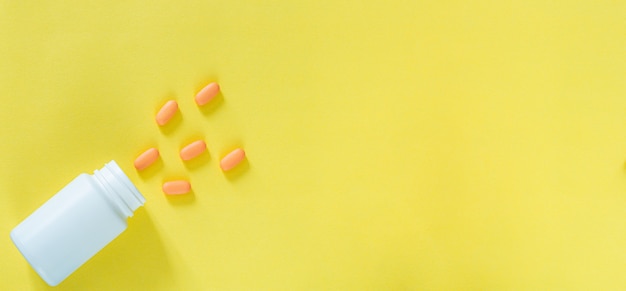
(232, 159)
(176, 187)
(192, 150)
(207, 94)
(166, 112)
(146, 159)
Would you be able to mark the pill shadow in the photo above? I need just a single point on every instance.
(238, 171)
(198, 162)
(152, 170)
(174, 123)
(183, 199)
(213, 105)
(136, 260)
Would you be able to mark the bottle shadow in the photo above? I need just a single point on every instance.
(136, 260)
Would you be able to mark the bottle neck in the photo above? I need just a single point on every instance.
(121, 190)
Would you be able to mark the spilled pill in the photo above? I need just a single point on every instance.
(232, 159)
(192, 150)
(146, 159)
(166, 112)
(207, 93)
(176, 187)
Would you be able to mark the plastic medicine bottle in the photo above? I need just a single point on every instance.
(77, 222)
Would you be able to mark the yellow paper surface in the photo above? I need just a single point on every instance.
(392, 145)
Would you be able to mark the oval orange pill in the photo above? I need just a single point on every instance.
(176, 187)
(146, 159)
(232, 159)
(207, 94)
(166, 112)
(192, 150)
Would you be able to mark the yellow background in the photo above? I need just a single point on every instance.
(392, 145)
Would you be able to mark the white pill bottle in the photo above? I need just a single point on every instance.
(77, 222)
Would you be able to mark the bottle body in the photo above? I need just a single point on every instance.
(73, 225)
